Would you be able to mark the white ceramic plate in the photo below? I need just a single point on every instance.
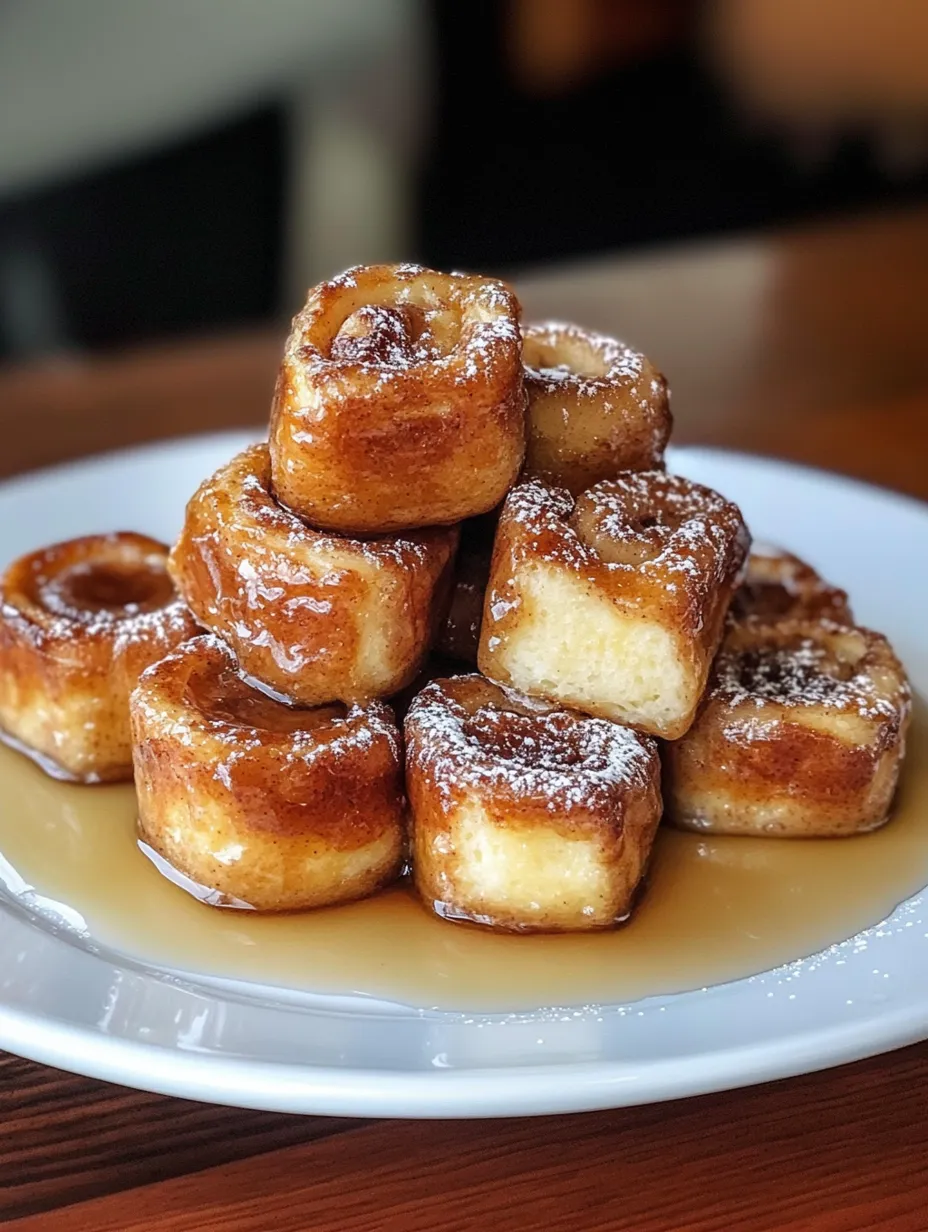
(108, 1016)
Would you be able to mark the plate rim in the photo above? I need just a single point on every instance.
(543, 1090)
(477, 1091)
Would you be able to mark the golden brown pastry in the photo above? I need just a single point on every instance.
(801, 734)
(780, 586)
(314, 616)
(258, 803)
(596, 407)
(400, 400)
(78, 622)
(613, 603)
(526, 817)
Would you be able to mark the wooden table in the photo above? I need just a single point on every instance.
(813, 346)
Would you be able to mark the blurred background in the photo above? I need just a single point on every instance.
(170, 167)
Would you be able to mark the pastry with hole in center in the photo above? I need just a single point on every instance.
(779, 586)
(248, 802)
(526, 817)
(400, 400)
(613, 602)
(596, 407)
(79, 622)
(801, 734)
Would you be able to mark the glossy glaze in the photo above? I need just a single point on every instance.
(715, 909)
(264, 804)
(801, 733)
(596, 407)
(79, 621)
(399, 401)
(778, 585)
(314, 616)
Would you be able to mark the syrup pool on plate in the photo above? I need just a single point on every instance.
(715, 909)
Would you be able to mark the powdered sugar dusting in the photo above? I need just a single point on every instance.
(42, 594)
(471, 736)
(165, 702)
(558, 353)
(536, 506)
(810, 668)
(420, 323)
(677, 533)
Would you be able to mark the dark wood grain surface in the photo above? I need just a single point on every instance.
(67, 1138)
(811, 346)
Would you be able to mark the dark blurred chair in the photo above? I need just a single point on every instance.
(573, 126)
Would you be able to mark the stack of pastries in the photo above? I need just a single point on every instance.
(467, 521)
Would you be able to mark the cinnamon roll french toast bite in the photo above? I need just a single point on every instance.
(526, 817)
(779, 586)
(596, 407)
(613, 602)
(801, 734)
(258, 803)
(314, 616)
(79, 622)
(400, 400)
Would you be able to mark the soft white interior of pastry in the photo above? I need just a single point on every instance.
(577, 646)
(526, 872)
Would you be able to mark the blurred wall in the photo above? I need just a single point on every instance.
(193, 164)
(169, 165)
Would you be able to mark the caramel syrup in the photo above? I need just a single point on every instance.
(715, 909)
